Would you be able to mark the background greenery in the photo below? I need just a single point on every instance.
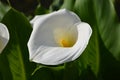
(100, 60)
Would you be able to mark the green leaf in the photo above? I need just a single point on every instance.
(109, 29)
(109, 26)
(3, 9)
(16, 50)
(109, 66)
(4, 68)
(71, 71)
(1, 77)
(43, 74)
(51, 72)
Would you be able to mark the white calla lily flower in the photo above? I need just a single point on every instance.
(4, 36)
(58, 37)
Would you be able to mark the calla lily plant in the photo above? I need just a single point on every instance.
(58, 37)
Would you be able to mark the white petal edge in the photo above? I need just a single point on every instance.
(4, 36)
(58, 55)
(39, 19)
(84, 34)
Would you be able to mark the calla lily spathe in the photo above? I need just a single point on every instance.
(58, 37)
(4, 36)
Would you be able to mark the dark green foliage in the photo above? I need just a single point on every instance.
(16, 51)
(99, 61)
